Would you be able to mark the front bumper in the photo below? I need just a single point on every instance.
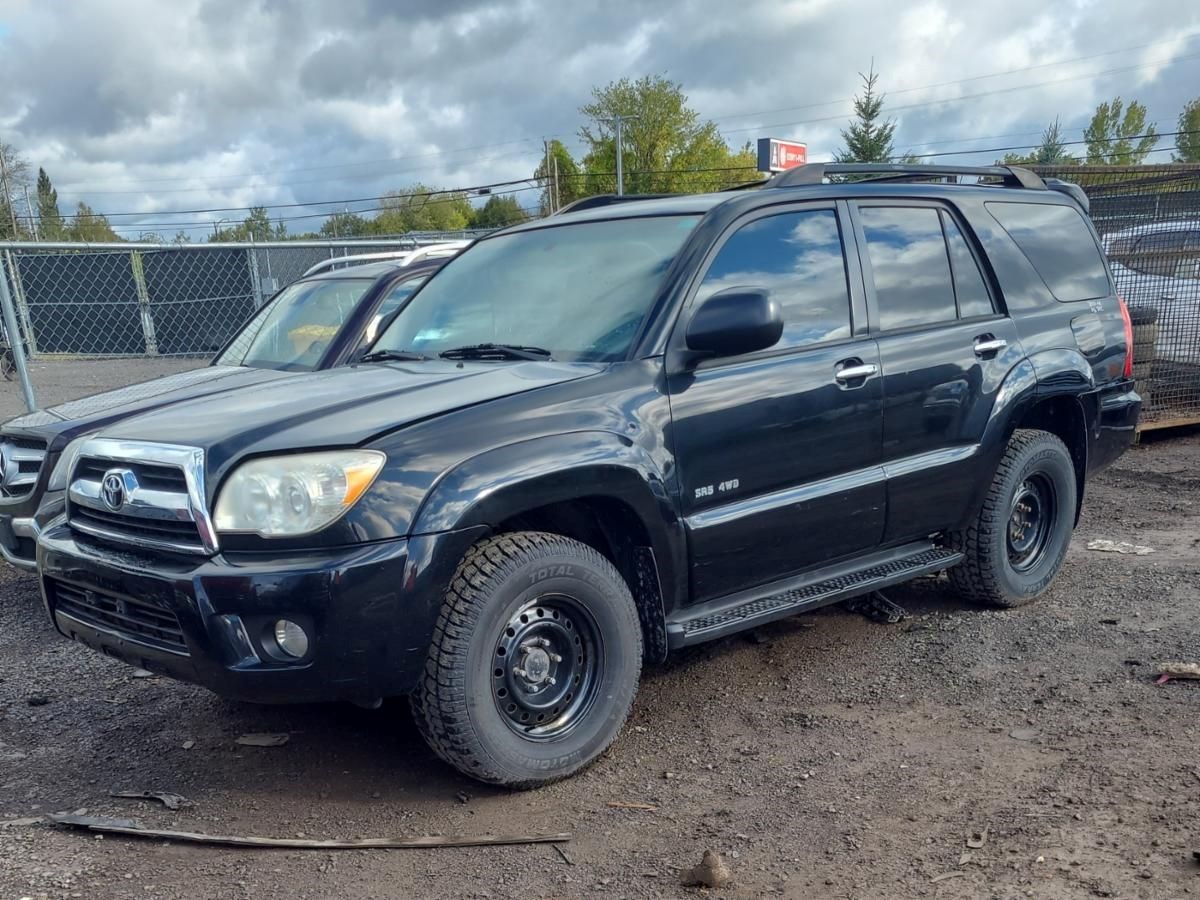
(368, 610)
(18, 541)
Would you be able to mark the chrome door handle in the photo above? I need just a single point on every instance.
(852, 373)
(993, 346)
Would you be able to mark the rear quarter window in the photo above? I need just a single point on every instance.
(1057, 241)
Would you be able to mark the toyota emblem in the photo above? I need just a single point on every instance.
(112, 490)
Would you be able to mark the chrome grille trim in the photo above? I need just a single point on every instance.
(20, 465)
(146, 509)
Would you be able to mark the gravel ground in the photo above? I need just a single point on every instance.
(825, 756)
(59, 380)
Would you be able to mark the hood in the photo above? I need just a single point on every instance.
(58, 425)
(336, 408)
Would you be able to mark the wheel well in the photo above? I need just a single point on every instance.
(1063, 417)
(612, 528)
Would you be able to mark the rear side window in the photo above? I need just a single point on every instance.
(1057, 241)
(969, 287)
(798, 258)
(909, 264)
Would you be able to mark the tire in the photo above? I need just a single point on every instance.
(583, 679)
(997, 569)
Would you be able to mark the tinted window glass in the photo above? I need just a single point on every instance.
(909, 265)
(969, 286)
(388, 305)
(1167, 253)
(798, 258)
(1059, 244)
(294, 330)
(579, 290)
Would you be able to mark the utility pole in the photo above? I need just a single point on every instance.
(619, 127)
(7, 196)
(557, 197)
(551, 207)
(33, 222)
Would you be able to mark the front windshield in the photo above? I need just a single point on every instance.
(295, 329)
(579, 291)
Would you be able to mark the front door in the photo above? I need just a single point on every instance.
(945, 349)
(778, 451)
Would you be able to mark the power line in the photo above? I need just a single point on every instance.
(743, 115)
(957, 81)
(992, 93)
(1132, 137)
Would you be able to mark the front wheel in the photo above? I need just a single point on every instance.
(534, 662)
(1018, 541)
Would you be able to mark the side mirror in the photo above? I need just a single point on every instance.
(735, 321)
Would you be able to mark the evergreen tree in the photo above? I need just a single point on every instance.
(50, 220)
(1050, 152)
(868, 139)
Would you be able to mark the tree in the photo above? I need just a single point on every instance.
(89, 226)
(1111, 134)
(868, 139)
(1187, 142)
(13, 225)
(421, 208)
(666, 147)
(255, 227)
(498, 212)
(50, 220)
(181, 237)
(559, 172)
(345, 224)
(1050, 152)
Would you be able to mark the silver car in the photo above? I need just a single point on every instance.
(1158, 266)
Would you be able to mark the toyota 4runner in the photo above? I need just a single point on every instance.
(597, 437)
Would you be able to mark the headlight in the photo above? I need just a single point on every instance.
(66, 462)
(286, 496)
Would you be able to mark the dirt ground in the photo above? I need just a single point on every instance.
(826, 756)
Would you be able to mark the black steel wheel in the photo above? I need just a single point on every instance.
(1019, 538)
(535, 661)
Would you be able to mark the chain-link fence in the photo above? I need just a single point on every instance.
(171, 302)
(1149, 221)
(155, 300)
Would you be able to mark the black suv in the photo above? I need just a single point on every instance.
(603, 435)
(324, 319)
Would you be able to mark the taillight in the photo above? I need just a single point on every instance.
(1128, 337)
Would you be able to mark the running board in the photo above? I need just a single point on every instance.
(829, 585)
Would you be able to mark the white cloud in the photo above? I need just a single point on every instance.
(143, 105)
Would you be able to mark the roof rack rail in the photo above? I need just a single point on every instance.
(606, 200)
(815, 173)
(401, 257)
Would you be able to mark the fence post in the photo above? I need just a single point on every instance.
(255, 281)
(14, 338)
(143, 297)
(18, 291)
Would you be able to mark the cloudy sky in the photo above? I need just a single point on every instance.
(155, 107)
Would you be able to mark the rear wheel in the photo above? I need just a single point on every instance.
(534, 663)
(1018, 541)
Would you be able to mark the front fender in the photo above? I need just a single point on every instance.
(496, 485)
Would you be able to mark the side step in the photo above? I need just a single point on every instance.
(821, 588)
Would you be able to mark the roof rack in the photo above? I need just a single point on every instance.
(815, 173)
(400, 257)
(607, 200)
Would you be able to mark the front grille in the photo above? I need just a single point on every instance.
(20, 464)
(132, 619)
(154, 512)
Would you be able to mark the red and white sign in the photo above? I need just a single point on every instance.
(775, 155)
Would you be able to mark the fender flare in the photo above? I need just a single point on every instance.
(504, 482)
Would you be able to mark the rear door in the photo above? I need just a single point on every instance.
(944, 346)
(778, 451)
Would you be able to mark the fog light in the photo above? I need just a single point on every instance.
(291, 638)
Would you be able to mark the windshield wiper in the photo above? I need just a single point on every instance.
(392, 356)
(496, 351)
